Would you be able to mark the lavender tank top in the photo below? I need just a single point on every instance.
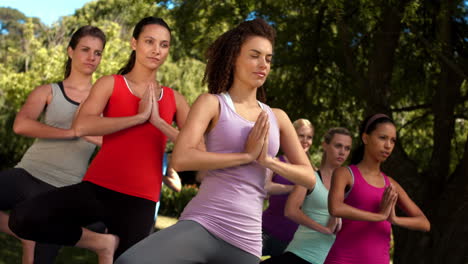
(362, 242)
(273, 220)
(229, 202)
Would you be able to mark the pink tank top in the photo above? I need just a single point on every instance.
(362, 242)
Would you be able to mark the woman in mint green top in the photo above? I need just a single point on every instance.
(309, 208)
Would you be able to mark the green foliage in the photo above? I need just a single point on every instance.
(173, 203)
(327, 65)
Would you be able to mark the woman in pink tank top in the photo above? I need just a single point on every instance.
(366, 198)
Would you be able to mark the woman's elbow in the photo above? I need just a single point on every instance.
(17, 128)
(177, 162)
(427, 226)
(20, 126)
(310, 181)
(78, 130)
(289, 213)
(333, 211)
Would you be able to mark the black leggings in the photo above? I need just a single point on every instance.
(56, 217)
(18, 185)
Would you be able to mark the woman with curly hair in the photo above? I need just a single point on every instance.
(222, 223)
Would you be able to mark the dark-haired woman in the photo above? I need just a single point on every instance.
(43, 166)
(222, 223)
(365, 198)
(134, 115)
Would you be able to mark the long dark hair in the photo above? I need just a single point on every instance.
(83, 31)
(136, 33)
(222, 54)
(367, 126)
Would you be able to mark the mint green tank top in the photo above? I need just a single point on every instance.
(307, 243)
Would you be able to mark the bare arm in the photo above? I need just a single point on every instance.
(172, 180)
(336, 206)
(293, 211)
(274, 188)
(299, 169)
(187, 154)
(26, 123)
(90, 121)
(415, 218)
(96, 140)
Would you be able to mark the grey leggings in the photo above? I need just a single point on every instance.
(183, 243)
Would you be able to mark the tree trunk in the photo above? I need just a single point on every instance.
(445, 203)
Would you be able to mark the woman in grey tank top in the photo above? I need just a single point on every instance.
(222, 224)
(43, 166)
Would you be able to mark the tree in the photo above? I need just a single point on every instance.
(337, 61)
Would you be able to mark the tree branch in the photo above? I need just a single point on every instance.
(414, 120)
(452, 65)
(411, 108)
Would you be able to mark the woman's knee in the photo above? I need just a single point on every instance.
(23, 223)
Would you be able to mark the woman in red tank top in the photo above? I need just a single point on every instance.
(134, 114)
(365, 198)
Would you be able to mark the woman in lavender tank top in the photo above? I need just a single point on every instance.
(222, 224)
(278, 230)
(365, 198)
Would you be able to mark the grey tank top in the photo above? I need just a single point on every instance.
(58, 162)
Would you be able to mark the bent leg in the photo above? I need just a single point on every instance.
(128, 217)
(183, 243)
(17, 185)
(56, 217)
(45, 253)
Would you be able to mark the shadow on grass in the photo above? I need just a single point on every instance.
(10, 248)
(10, 253)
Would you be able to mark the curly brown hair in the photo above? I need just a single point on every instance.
(222, 54)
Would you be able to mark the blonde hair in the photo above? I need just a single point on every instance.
(302, 122)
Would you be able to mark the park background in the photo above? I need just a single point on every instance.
(335, 62)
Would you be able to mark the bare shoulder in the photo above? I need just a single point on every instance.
(279, 113)
(342, 173)
(177, 94)
(103, 86)
(281, 117)
(207, 99)
(394, 182)
(180, 98)
(40, 94)
(105, 80)
(44, 89)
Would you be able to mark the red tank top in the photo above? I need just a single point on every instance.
(130, 160)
